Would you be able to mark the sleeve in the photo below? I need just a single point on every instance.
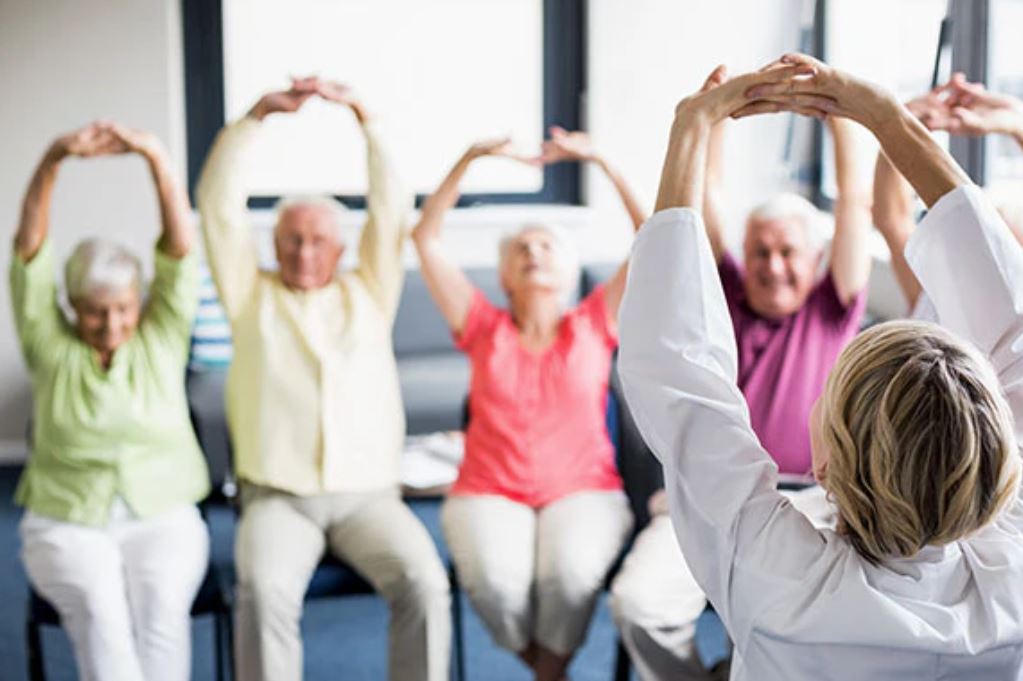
(971, 269)
(380, 248)
(479, 323)
(842, 316)
(678, 366)
(37, 315)
(731, 277)
(593, 309)
(222, 198)
(173, 299)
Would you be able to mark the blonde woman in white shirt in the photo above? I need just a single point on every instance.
(914, 437)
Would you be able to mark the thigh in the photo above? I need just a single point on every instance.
(655, 586)
(166, 558)
(580, 536)
(66, 561)
(492, 542)
(277, 546)
(385, 542)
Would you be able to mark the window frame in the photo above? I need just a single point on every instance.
(564, 86)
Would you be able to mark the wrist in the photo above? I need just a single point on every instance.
(258, 111)
(54, 155)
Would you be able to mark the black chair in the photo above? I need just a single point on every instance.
(209, 601)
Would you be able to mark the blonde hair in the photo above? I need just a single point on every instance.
(919, 439)
(99, 265)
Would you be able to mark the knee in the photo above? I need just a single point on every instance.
(423, 585)
(571, 583)
(264, 594)
(627, 602)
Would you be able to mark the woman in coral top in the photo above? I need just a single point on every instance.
(537, 515)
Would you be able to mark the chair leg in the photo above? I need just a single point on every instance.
(623, 666)
(34, 652)
(229, 643)
(457, 627)
(218, 647)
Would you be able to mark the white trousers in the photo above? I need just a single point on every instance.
(655, 600)
(535, 574)
(281, 539)
(124, 591)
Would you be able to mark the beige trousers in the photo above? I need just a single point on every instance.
(281, 540)
(535, 574)
(655, 600)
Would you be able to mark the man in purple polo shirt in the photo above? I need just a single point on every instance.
(791, 322)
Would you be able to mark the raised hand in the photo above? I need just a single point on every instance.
(499, 146)
(721, 97)
(136, 141)
(974, 110)
(932, 109)
(95, 139)
(286, 101)
(567, 146)
(817, 89)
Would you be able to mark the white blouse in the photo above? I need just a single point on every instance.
(800, 603)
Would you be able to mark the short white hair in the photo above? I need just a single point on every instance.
(566, 255)
(98, 265)
(334, 208)
(789, 206)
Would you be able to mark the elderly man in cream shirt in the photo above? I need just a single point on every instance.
(314, 407)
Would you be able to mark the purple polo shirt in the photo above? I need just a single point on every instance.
(783, 363)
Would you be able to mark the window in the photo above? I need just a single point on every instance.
(441, 75)
(891, 43)
(1003, 157)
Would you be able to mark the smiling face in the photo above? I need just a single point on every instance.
(532, 260)
(781, 265)
(107, 319)
(308, 246)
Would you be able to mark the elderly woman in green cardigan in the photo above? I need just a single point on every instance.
(111, 535)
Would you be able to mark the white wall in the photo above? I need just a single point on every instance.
(62, 64)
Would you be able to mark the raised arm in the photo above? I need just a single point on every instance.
(712, 192)
(92, 140)
(177, 233)
(904, 139)
(678, 364)
(850, 256)
(892, 213)
(576, 146)
(450, 288)
(222, 197)
(977, 111)
(387, 206)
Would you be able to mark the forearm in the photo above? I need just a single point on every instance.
(443, 199)
(684, 173)
(712, 218)
(178, 233)
(914, 153)
(35, 208)
(632, 207)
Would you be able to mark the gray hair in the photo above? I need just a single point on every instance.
(794, 207)
(99, 265)
(567, 257)
(334, 208)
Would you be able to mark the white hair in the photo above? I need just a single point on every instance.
(565, 254)
(789, 206)
(334, 208)
(99, 265)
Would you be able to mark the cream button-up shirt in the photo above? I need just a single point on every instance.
(313, 401)
(800, 603)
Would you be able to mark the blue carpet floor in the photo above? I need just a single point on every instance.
(345, 639)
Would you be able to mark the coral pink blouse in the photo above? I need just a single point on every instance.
(537, 431)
